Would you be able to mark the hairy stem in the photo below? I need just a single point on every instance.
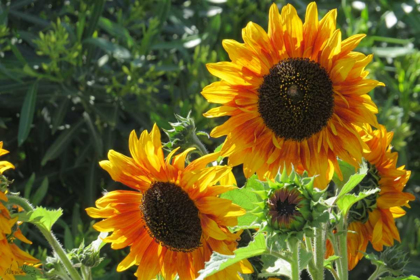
(334, 242)
(319, 251)
(378, 272)
(199, 145)
(86, 273)
(342, 246)
(49, 236)
(334, 274)
(311, 265)
(293, 245)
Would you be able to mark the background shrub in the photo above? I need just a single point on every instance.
(78, 76)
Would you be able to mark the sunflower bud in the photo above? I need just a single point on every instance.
(183, 134)
(395, 260)
(90, 257)
(288, 209)
(289, 205)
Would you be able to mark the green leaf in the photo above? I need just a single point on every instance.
(93, 21)
(30, 18)
(392, 52)
(375, 259)
(96, 139)
(115, 50)
(107, 112)
(6, 71)
(347, 170)
(28, 186)
(17, 54)
(411, 277)
(60, 143)
(27, 113)
(273, 266)
(60, 114)
(328, 263)
(246, 198)
(304, 258)
(347, 201)
(68, 238)
(2, 124)
(76, 220)
(41, 217)
(41, 192)
(254, 184)
(353, 181)
(219, 262)
(116, 30)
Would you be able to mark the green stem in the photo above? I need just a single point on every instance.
(86, 272)
(200, 147)
(342, 246)
(319, 251)
(293, 245)
(311, 265)
(378, 272)
(49, 236)
(334, 241)
(334, 273)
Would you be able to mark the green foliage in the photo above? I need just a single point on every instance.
(41, 217)
(247, 199)
(219, 262)
(78, 76)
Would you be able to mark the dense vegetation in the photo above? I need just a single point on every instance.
(78, 76)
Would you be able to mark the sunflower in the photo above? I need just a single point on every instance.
(12, 258)
(173, 218)
(294, 95)
(372, 219)
(4, 165)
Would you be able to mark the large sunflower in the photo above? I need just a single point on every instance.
(173, 219)
(12, 258)
(294, 96)
(372, 220)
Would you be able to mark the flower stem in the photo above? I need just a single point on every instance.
(334, 274)
(86, 272)
(378, 272)
(49, 236)
(342, 246)
(199, 145)
(334, 241)
(319, 252)
(293, 245)
(311, 265)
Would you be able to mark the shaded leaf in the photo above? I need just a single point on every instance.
(40, 192)
(27, 113)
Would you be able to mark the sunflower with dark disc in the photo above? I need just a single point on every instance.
(295, 96)
(372, 219)
(12, 258)
(173, 219)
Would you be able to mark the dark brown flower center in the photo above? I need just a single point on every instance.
(171, 217)
(296, 99)
(284, 203)
(284, 208)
